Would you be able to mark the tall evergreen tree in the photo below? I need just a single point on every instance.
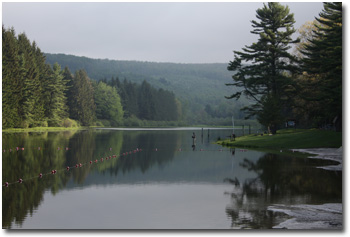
(11, 83)
(129, 93)
(165, 105)
(146, 102)
(70, 90)
(57, 101)
(323, 60)
(82, 106)
(262, 70)
(32, 103)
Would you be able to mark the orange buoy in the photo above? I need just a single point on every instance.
(20, 181)
(6, 184)
(40, 175)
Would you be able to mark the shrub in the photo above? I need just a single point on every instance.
(70, 123)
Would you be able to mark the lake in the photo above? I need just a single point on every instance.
(160, 179)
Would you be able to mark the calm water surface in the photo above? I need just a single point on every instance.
(170, 184)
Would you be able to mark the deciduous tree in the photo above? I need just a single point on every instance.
(108, 104)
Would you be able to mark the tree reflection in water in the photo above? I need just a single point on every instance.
(280, 179)
(21, 200)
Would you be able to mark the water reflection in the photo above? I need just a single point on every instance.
(280, 179)
(170, 165)
(43, 152)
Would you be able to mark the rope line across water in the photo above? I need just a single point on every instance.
(54, 171)
(68, 168)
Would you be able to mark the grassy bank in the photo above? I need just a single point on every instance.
(41, 129)
(288, 139)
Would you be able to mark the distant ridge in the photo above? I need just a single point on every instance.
(196, 85)
(100, 68)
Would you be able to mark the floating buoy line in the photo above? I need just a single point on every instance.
(79, 165)
(68, 168)
(18, 148)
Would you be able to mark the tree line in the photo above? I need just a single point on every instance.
(194, 85)
(35, 94)
(305, 87)
(146, 102)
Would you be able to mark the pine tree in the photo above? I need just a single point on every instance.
(146, 102)
(165, 106)
(129, 93)
(263, 69)
(57, 101)
(323, 57)
(11, 83)
(82, 106)
(32, 104)
(70, 91)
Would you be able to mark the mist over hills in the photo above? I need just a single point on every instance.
(200, 87)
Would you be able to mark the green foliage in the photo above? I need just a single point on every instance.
(322, 62)
(11, 83)
(24, 85)
(70, 123)
(57, 101)
(193, 85)
(108, 104)
(145, 102)
(290, 139)
(83, 104)
(34, 94)
(32, 90)
(270, 114)
(264, 76)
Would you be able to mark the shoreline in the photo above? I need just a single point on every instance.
(41, 129)
(287, 139)
(333, 154)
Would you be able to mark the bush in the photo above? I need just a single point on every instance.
(44, 124)
(70, 123)
(25, 124)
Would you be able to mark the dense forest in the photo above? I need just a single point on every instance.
(37, 94)
(145, 102)
(200, 88)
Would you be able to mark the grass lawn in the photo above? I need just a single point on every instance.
(289, 139)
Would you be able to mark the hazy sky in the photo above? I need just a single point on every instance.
(178, 32)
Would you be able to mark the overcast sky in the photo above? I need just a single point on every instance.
(158, 32)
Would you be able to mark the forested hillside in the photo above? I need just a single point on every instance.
(37, 94)
(199, 87)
